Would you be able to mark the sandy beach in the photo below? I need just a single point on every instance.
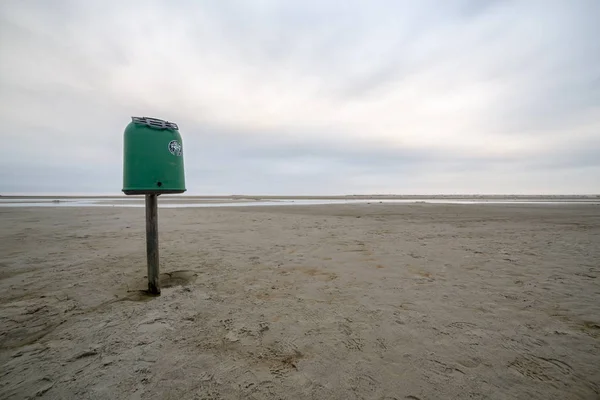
(368, 301)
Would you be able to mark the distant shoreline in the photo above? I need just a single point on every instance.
(339, 197)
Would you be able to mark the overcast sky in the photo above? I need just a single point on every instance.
(306, 97)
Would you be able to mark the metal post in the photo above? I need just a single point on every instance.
(152, 243)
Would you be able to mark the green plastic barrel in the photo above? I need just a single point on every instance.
(152, 157)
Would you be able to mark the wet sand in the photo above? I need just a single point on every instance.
(379, 301)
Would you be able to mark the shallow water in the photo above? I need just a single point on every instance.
(170, 202)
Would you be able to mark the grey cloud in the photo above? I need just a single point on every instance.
(59, 61)
(219, 150)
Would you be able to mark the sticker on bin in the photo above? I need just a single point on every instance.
(175, 148)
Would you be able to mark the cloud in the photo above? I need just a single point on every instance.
(307, 97)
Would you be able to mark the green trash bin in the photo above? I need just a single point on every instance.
(152, 157)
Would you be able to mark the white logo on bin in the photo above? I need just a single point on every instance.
(175, 147)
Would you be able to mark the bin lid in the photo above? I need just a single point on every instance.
(155, 123)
